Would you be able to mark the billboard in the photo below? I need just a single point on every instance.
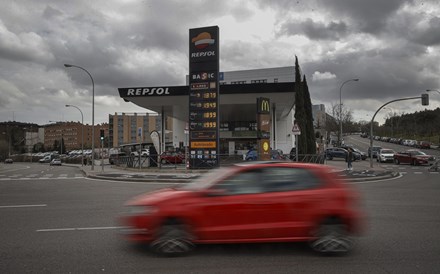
(204, 97)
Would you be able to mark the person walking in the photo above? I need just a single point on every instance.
(349, 159)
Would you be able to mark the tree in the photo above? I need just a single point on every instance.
(303, 114)
(309, 131)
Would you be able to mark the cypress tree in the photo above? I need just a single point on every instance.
(300, 117)
(309, 131)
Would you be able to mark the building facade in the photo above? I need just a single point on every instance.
(131, 128)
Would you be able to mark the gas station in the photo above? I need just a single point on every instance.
(222, 113)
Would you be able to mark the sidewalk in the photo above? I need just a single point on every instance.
(361, 172)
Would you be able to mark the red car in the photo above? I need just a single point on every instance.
(172, 158)
(413, 157)
(249, 203)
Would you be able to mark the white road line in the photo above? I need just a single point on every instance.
(19, 206)
(79, 228)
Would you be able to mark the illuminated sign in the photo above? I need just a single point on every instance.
(203, 144)
(203, 98)
(263, 105)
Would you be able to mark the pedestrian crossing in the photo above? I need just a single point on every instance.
(37, 176)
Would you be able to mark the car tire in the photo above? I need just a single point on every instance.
(396, 161)
(331, 238)
(172, 239)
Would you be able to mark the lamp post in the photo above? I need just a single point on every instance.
(82, 133)
(340, 108)
(93, 111)
(433, 90)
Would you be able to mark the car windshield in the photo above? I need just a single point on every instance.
(417, 152)
(208, 179)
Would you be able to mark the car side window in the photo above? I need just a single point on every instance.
(288, 179)
(248, 182)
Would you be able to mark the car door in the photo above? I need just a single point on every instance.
(291, 198)
(231, 209)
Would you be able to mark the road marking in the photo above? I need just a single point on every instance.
(79, 228)
(19, 206)
(418, 172)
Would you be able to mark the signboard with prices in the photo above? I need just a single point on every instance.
(203, 97)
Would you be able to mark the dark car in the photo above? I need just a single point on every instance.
(413, 157)
(9, 161)
(335, 152)
(249, 203)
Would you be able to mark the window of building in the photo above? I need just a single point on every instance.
(259, 81)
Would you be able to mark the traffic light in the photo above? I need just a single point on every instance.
(102, 134)
(425, 99)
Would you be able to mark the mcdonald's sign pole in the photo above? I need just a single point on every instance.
(263, 128)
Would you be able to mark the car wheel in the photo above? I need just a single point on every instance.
(396, 161)
(331, 238)
(172, 240)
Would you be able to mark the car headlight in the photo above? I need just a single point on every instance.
(142, 210)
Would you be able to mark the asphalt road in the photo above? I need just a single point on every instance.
(65, 223)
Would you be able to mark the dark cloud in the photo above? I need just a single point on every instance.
(315, 30)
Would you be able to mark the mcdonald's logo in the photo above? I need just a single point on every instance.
(263, 105)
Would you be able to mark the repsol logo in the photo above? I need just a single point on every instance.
(147, 91)
(202, 54)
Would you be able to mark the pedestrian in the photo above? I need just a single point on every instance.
(349, 159)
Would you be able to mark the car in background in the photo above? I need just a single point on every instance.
(55, 162)
(9, 161)
(413, 157)
(210, 209)
(171, 158)
(375, 150)
(335, 152)
(360, 155)
(385, 155)
(144, 153)
(45, 159)
(424, 145)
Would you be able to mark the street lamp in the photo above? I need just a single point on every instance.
(340, 108)
(93, 111)
(82, 133)
(433, 90)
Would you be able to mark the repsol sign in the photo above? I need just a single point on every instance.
(147, 91)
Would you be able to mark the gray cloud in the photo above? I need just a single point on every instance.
(315, 30)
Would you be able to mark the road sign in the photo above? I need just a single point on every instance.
(296, 130)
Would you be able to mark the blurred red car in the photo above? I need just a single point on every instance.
(172, 158)
(252, 203)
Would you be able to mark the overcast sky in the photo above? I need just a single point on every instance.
(391, 45)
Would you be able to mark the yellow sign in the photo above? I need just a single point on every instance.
(263, 105)
(266, 146)
(203, 144)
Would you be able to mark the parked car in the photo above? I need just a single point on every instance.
(9, 161)
(55, 162)
(413, 157)
(46, 159)
(335, 152)
(362, 155)
(375, 151)
(248, 203)
(385, 155)
(144, 153)
(251, 155)
(424, 145)
(172, 158)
